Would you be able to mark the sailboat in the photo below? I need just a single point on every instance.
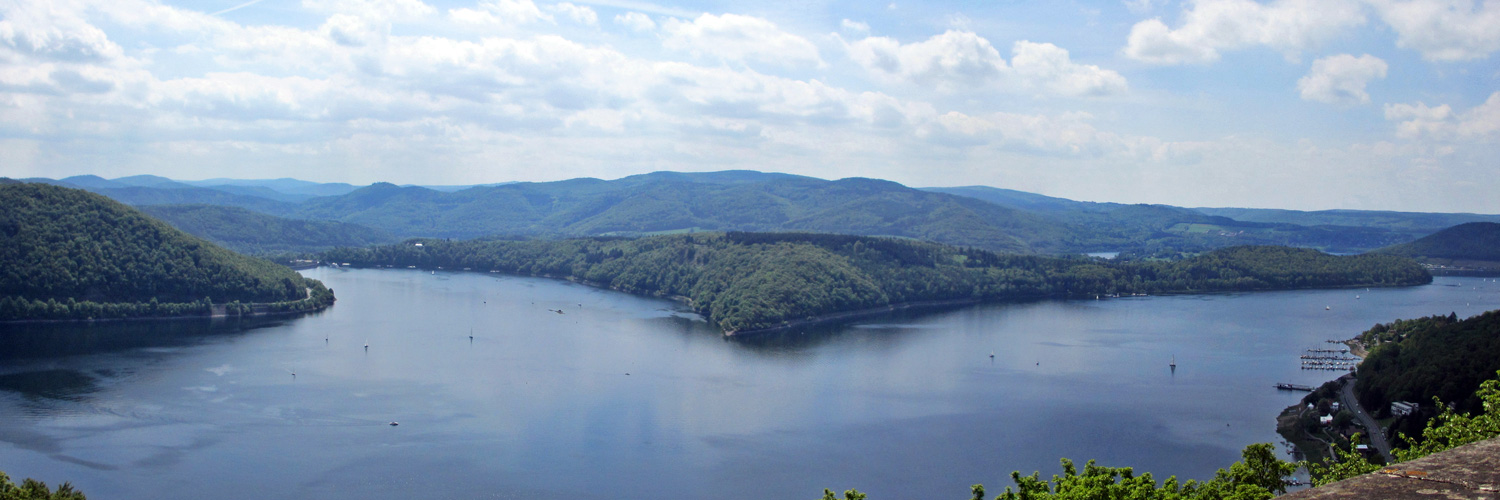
(1173, 364)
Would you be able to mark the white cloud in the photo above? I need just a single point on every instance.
(1047, 68)
(855, 27)
(635, 21)
(350, 30)
(1210, 26)
(958, 60)
(1341, 79)
(1444, 30)
(1480, 124)
(500, 13)
(739, 38)
(372, 9)
(578, 13)
(44, 31)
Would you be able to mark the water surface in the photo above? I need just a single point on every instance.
(629, 397)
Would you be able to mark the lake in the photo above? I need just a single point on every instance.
(621, 396)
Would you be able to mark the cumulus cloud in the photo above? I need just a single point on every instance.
(1419, 121)
(500, 13)
(1210, 26)
(44, 31)
(1444, 30)
(739, 38)
(578, 13)
(1341, 79)
(958, 60)
(635, 21)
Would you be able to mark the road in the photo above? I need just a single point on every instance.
(1377, 436)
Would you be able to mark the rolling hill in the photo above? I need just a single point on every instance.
(69, 254)
(251, 232)
(1474, 243)
(672, 202)
(663, 202)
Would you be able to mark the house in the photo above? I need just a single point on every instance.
(1326, 420)
(1403, 408)
(1334, 406)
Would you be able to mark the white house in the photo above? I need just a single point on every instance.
(1326, 420)
(1403, 408)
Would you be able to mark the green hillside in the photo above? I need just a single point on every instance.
(657, 203)
(252, 232)
(1475, 241)
(748, 281)
(1439, 356)
(67, 253)
(1164, 230)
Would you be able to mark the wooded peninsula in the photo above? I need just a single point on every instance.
(744, 282)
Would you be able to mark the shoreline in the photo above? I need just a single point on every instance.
(870, 311)
(844, 315)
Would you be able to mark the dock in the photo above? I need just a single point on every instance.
(1293, 387)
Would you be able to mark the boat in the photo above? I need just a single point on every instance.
(394, 423)
(1173, 364)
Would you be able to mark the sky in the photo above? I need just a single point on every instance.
(1301, 104)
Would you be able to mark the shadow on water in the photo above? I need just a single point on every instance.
(71, 385)
(21, 341)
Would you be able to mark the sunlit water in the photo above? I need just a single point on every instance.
(629, 397)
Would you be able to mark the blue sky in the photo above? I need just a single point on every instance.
(1305, 104)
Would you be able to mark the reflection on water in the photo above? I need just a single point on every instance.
(627, 397)
(58, 339)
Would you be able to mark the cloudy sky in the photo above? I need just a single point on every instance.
(1306, 104)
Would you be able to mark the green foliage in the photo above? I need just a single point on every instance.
(30, 489)
(1479, 241)
(1450, 429)
(1347, 463)
(70, 254)
(256, 233)
(848, 495)
(1438, 356)
(749, 281)
(1257, 477)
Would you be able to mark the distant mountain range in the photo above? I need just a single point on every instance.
(668, 202)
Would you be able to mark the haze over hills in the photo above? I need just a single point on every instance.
(991, 218)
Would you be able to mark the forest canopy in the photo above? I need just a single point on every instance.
(70, 254)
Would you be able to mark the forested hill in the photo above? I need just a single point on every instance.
(1475, 241)
(67, 253)
(669, 202)
(256, 233)
(749, 281)
(1415, 360)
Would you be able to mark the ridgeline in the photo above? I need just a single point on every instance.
(745, 282)
(70, 254)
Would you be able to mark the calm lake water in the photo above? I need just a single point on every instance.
(629, 397)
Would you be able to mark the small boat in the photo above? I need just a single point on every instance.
(1327, 308)
(394, 423)
(1173, 364)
